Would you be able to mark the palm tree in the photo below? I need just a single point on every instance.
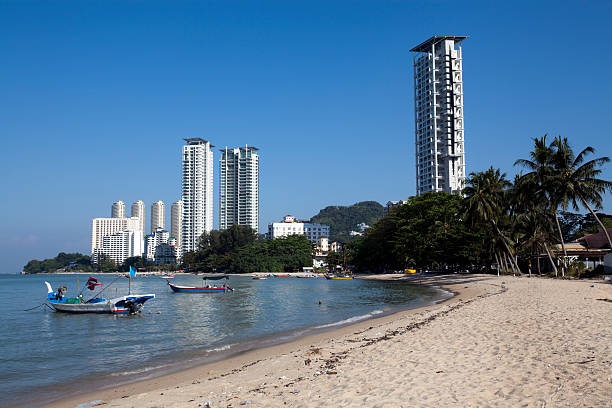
(539, 184)
(576, 181)
(485, 198)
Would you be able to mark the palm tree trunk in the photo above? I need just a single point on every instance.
(497, 260)
(501, 236)
(551, 260)
(562, 244)
(597, 218)
(539, 271)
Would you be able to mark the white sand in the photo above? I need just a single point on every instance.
(503, 342)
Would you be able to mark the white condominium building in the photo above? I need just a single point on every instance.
(160, 236)
(176, 221)
(118, 210)
(102, 227)
(438, 115)
(239, 187)
(291, 226)
(138, 211)
(197, 191)
(120, 246)
(158, 215)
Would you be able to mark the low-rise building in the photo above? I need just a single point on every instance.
(290, 226)
(394, 204)
(102, 227)
(165, 254)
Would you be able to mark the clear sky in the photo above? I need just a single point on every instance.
(96, 97)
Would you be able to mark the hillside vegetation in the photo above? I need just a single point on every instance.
(343, 219)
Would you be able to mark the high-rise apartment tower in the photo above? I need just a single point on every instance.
(197, 191)
(138, 211)
(158, 215)
(118, 210)
(239, 187)
(176, 221)
(438, 115)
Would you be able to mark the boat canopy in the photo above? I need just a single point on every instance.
(215, 276)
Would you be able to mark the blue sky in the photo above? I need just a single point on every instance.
(96, 97)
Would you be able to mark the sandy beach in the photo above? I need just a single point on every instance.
(502, 341)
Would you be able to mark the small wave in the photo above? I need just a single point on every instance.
(350, 320)
(139, 371)
(222, 348)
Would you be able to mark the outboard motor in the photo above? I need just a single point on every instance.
(132, 306)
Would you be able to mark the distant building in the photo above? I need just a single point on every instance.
(118, 209)
(291, 226)
(158, 237)
(176, 221)
(165, 254)
(197, 192)
(394, 204)
(102, 227)
(323, 244)
(239, 187)
(120, 246)
(138, 211)
(158, 215)
(438, 106)
(335, 246)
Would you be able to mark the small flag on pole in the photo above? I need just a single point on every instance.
(132, 271)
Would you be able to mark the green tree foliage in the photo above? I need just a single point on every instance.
(343, 219)
(62, 261)
(237, 250)
(427, 232)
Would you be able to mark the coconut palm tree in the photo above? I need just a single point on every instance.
(576, 181)
(485, 197)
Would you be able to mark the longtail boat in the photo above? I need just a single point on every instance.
(128, 304)
(203, 289)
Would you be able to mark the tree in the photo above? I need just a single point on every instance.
(576, 181)
(485, 197)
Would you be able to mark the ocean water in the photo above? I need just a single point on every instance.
(45, 355)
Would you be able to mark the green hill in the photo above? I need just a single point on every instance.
(343, 219)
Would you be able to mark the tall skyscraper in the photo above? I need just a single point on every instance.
(118, 210)
(438, 115)
(102, 227)
(138, 211)
(197, 191)
(176, 221)
(158, 215)
(239, 187)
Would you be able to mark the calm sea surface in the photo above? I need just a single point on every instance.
(46, 355)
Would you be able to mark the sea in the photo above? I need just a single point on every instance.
(46, 355)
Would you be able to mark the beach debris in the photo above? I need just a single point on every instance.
(90, 404)
(332, 372)
(245, 402)
(307, 361)
(317, 373)
(439, 371)
(205, 404)
(296, 390)
(605, 299)
(314, 350)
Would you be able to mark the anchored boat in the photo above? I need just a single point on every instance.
(203, 289)
(129, 304)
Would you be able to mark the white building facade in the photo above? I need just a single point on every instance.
(102, 227)
(138, 211)
(239, 187)
(176, 221)
(291, 226)
(118, 209)
(439, 127)
(158, 237)
(197, 191)
(158, 215)
(120, 246)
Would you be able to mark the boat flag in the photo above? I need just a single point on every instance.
(92, 283)
(132, 271)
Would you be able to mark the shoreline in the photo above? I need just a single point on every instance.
(243, 359)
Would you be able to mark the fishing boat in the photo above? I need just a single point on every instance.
(339, 276)
(167, 277)
(259, 277)
(129, 304)
(203, 289)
